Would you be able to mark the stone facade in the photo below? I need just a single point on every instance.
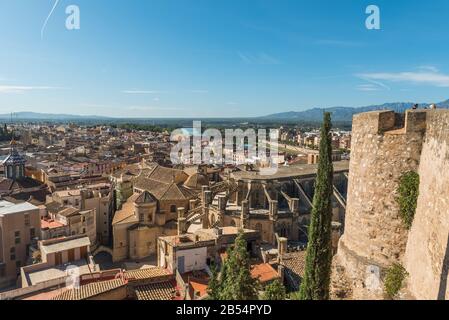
(385, 145)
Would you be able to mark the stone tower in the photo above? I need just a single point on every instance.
(385, 145)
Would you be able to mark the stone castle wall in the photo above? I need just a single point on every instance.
(427, 253)
(384, 146)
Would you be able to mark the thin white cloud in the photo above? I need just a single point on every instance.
(48, 18)
(429, 68)
(258, 58)
(373, 85)
(22, 89)
(430, 78)
(368, 87)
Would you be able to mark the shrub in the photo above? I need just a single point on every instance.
(394, 279)
(408, 197)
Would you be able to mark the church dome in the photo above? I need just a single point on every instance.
(14, 158)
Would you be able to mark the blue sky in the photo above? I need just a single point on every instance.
(217, 58)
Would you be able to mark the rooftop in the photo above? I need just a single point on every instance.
(156, 291)
(290, 172)
(91, 290)
(55, 272)
(264, 272)
(64, 244)
(11, 208)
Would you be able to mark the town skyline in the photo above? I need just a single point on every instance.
(234, 62)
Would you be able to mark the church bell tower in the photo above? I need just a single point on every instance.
(14, 164)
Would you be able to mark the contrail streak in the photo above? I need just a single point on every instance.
(48, 18)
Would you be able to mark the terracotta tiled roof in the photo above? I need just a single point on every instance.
(90, 290)
(146, 273)
(264, 272)
(54, 207)
(163, 182)
(68, 212)
(196, 181)
(126, 214)
(294, 263)
(156, 291)
(167, 175)
(145, 197)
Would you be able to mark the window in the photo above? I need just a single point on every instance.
(27, 220)
(12, 253)
(18, 264)
(32, 233)
(17, 237)
(173, 208)
(2, 270)
(84, 230)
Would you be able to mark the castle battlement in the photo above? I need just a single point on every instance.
(387, 121)
(386, 145)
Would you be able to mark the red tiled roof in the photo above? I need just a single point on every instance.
(264, 272)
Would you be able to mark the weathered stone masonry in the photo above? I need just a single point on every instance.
(385, 146)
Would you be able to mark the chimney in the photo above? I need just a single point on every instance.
(281, 272)
(282, 247)
(181, 226)
(181, 212)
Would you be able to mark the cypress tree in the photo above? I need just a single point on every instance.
(275, 291)
(315, 284)
(213, 287)
(236, 282)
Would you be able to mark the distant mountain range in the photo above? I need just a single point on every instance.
(339, 114)
(49, 116)
(345, 113)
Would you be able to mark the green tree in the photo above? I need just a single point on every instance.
(236, 282)
(315, 284)
(275, 291)
(213, 287)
